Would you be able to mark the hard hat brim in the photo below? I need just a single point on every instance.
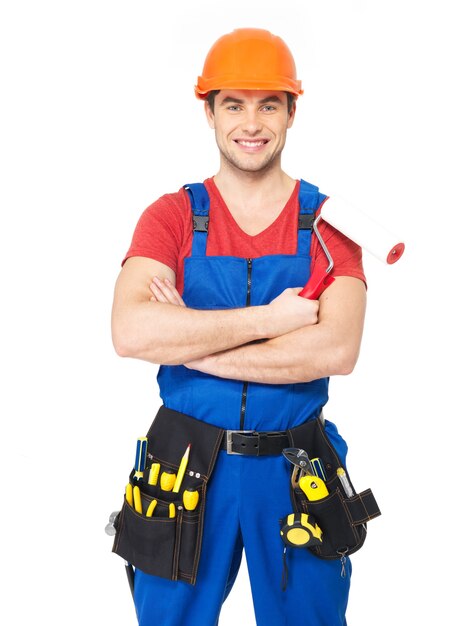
(205, 86)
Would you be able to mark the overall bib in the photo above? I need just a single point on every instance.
(247, 496)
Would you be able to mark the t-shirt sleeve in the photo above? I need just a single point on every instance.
(160, 230)
(346, 255)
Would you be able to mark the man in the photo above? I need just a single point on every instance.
(214, 300)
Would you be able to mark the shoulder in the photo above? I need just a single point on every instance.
(170, 206)
(162, 229)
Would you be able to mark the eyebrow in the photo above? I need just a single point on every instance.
(263, 101)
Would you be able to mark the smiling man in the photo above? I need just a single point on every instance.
(209, 290)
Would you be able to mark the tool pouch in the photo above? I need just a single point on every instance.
(342, 519)
(160, 545)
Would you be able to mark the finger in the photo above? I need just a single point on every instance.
(157, 293)
(163, 288)
(171, 292)
(168, 290)
(165, 292)
(175, 293)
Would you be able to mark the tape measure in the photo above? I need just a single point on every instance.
(300, 530)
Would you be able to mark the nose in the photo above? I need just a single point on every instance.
(252, 124)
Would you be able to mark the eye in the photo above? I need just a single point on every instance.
(269, 108)
(234, 107)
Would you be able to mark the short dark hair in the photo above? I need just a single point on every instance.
(211, 100)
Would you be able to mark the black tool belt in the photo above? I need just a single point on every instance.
(169, 546)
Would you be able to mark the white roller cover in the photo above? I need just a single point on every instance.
(363, 230)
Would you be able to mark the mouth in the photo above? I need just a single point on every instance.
(251, 145)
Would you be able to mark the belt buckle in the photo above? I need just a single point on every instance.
(229, 439)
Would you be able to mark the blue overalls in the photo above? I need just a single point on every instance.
(247, 496)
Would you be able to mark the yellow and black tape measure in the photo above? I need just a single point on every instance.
(299, 530)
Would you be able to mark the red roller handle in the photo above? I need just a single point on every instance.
(314, 288)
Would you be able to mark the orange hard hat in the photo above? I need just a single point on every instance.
(249, 58)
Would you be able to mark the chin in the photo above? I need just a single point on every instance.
(248, 166)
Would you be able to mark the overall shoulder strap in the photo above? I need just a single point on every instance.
(309, 198)
(200, 202)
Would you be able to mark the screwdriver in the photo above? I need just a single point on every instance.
(140, 461)
(345, 482)
(190, 499)
(167, 481)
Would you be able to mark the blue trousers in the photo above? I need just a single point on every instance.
(246, 498)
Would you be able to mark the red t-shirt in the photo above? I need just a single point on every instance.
(164, 233)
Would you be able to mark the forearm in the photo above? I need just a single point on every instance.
(170, 335)
(300, 356)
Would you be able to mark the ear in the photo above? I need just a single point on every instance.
(210, 116)
(291, 115)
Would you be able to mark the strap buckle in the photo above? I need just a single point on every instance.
(200, 223)
(229, 439)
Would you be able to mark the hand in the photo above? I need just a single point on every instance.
(293, 312)
(165, 291)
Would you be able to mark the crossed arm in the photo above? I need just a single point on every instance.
(304, 340)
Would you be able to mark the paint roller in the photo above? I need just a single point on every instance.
(358, 227)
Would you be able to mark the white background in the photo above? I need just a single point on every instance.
(98, 120)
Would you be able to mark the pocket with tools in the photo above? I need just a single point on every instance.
(329, 517)
(160, 526)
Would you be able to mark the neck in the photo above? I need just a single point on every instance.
(251, 188)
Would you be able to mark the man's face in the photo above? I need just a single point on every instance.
(250, 127)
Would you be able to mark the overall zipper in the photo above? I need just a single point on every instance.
(248, 303)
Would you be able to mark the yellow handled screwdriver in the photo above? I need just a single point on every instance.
(167, 481)
(190, 499)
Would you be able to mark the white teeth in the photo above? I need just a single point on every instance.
(251, 144)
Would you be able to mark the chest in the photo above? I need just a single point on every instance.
(251, 238)
(268, 261)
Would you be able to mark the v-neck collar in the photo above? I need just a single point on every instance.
(273, 224)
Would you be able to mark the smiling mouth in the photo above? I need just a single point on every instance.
(251, 144)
